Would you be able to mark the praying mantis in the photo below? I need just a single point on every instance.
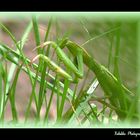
(119, 96)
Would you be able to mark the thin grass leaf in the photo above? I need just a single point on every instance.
(18, 47)
(37, 39)
(11, 95)
(66, 83)
(122, 100)
(92, 113)
(138, 68)
(83, 85)
(85, 29)
(5, 73)
(36, 30)
(98, 36)
(117, 53)
(58, 93)
(48, 30)
(22, 42)
(83, 101)
(103, 111)
(8, 32)
(135, 103)
(110, 52)
(3, 77)
(74, 94)
(21, 54)
(86, 117)
(81, 92)
(1, 89)
(50, 101)
(110, 115)
(43, 73)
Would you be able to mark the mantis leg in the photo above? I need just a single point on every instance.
(53, 66)
(78, 71)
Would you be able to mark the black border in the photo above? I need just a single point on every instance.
(70, 133)
(70, 5)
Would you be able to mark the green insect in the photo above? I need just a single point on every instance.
(78, 70)
(119, 96)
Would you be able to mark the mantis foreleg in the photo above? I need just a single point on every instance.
(64, 58)
(53, 66)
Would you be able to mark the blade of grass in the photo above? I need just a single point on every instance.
(5, 73)
(77, 100)
(11, 95)
(92, 113)
(43, 73)
(48, 30)
(87, 94)
(21, 54)
(58, 94)
(19, 49)
(135, 104)
(109, 64)
(110, 115)
(110, 52)
(36, 31)
(50, 101)
(1, 89)
(111, 107)
(66, 83)
(85, 29)
(98, 36)
(23, 40)
(138, 68)
(121, 96)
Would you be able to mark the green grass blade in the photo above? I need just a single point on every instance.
(1, 89)
(94, 112)
(122, 99)
(42, 65)
(98, 36)
(50, 101)
(36, 32)
(26, 34)
(43, 73)
(5, 73)
(135, 108)
(21, 54)
(8, 32)
(138, 68)
(82, 101)
(117, 53)
(66, 83)
(11, 95)
(19, 49)
(110, 52)
(23, 40)
(48, 30)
